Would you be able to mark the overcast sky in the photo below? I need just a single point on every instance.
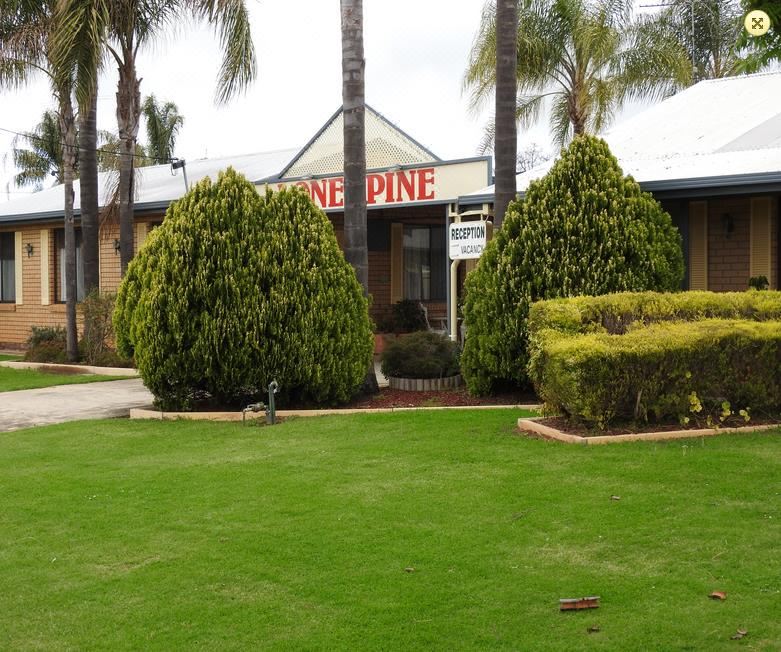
(416, 53)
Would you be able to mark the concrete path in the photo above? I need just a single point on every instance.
(35, 407)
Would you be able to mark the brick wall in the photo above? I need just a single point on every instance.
(728, 253)
(16, 320)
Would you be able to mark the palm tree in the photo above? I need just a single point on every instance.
(353, 116)
(119, 28)
(88, 192)
(706, 31)
(162, 127)
(572, 55)
(43, 159)
(27, 32)
(506, 145)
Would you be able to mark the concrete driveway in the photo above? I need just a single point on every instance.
(35, 407)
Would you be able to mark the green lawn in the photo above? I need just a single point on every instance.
(13, 379)
(5, 356)
(183, 535)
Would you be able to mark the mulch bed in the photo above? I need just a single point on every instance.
(566, 426)
(393, 398)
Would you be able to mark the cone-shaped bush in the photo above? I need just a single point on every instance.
(584, 228)
(234, 290)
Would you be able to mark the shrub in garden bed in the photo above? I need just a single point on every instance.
(421, 355)
(584, 228)
(675, 370)
(46, 344)
(235, 290)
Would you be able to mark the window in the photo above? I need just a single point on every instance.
(7, 268)
(425, 266)
(59, 243)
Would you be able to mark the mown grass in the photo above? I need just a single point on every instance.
(16, 379)
(182, 535)
(8, 356)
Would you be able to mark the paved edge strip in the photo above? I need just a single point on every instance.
(148, 413)
(532, 425)
(79, 368)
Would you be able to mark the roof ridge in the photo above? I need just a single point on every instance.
(730, 78)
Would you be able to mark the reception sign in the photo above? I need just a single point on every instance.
(466, 240)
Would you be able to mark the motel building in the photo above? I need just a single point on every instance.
(710, 154)
(411, 197)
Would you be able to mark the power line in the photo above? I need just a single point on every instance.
(31, 136)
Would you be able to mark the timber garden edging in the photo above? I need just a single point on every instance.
(425, 384)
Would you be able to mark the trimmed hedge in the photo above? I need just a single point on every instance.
(616, 313)
(235, 290)
(421, 355)
(651, 372)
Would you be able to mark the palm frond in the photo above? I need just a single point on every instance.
(230, 18)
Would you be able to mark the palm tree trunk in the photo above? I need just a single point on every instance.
(506, 137)
(68, 130)
(128, 112)
(88, 189)
(353, 114)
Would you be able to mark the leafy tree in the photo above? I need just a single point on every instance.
(530, 157)
(163, 123)
(767, 48)
(583, 229)
(574, 55)
(42, 159)
(235, 290)
(109, 153)
(27, 48)
(118, 28)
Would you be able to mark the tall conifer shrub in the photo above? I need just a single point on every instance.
(234, 290)
(584, 228)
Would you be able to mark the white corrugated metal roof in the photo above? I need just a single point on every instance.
(717, 128)
(154, 184)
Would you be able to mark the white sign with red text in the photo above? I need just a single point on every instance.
(427, 184)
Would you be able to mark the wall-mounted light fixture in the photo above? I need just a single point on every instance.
(29, 249)
(117, 246)
(729, 224)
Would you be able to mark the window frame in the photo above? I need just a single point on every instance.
(59, 266)
(435, 294)
(10, 235)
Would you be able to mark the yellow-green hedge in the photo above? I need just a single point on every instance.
(615, 313)
(647, 355)
(651, 372)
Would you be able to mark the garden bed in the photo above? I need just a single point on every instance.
(387, 400)
(560, 429)
(397, 398)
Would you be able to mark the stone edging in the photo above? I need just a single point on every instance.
(533, 425)
(149, 413)
(78, 368)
